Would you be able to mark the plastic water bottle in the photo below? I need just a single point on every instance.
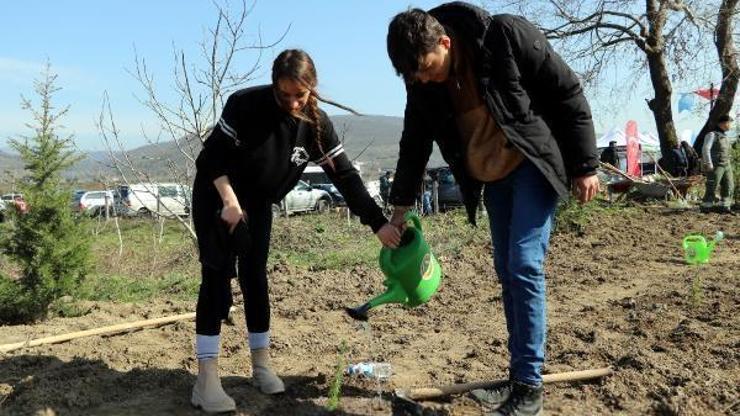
(719, 236)
(373, 370)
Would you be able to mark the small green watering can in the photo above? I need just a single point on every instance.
(412, 273)
(697, 250)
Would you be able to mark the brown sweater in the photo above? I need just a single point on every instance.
(488, 158)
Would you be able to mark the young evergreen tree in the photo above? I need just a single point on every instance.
(51, 248)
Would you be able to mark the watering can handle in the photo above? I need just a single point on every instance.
(693, 239)
(410, 216)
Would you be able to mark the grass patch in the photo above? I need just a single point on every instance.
(67, 308)
(322, 242)
(147, 250)
(328, 242)
(573, 217)
(129, 289)
(449, 233)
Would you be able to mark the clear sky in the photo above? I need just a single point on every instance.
(91, 44)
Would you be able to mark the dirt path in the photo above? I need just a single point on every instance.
(619, 295)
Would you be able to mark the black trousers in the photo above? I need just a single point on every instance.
(215, 298)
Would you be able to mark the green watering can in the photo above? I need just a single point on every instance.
(697, 250)
(412, 273)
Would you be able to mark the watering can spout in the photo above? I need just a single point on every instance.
(394, 294)
(359, 313)
(719, 236)
(710, 247)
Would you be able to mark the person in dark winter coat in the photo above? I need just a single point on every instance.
(610, 155)
(253, 157)
(675, 163)
(692, 159)
(510, 118)
(385, 187)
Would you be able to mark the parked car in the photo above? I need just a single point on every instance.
(448, 189)
(316, 177)
(146, 199)
(304, 198)
(95, 203)
(77, 193)
(337, 199)
(10, 197)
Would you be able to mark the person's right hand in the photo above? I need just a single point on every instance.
(232, 214)
(586, 187)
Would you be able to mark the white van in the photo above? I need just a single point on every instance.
(94, 203)
(146, 199)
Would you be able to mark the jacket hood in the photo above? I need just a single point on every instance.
(470, 22)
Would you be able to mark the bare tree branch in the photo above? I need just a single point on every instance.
(664, 39)
(200, 87)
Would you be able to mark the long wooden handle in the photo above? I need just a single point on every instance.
(106, 330)
(435, 392)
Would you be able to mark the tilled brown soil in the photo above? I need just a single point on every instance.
(619, 295)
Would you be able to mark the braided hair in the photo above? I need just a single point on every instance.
(297, 65)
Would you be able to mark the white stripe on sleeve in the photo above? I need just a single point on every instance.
(338, 150)
(227, 129)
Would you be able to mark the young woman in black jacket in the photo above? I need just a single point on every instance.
(253, 157)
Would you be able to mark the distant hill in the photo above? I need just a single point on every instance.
(371, 140)
(9, 162)
(10, 168)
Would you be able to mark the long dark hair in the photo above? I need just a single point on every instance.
(297, 65)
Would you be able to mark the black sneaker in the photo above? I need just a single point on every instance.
(493, 398)
(706, 209)
(525, 400)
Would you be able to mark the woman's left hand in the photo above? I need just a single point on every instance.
(389, 235)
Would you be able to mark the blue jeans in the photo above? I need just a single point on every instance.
(520, 210)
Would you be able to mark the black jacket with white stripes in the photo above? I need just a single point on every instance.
(264, 150)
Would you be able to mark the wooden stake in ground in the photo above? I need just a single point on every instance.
(436, 392)
(611, 168)
(106, 330)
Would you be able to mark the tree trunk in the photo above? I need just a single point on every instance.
(661, 104)
(723, 39)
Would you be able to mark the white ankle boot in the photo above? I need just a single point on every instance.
(208, 393)
(263, 376)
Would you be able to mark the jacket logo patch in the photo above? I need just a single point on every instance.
(299, 156)
(537, 44)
